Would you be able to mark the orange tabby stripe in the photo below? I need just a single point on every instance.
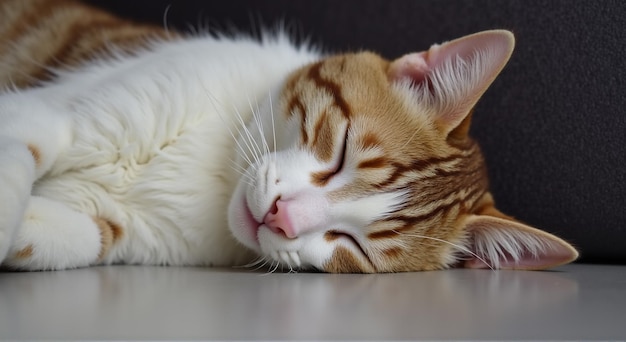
(80, 33)
(323, 138)
(393, 252)
(343, 261)
(296, 106)
(469, 174)
(321, 178)
(409, 222)
(332, 88)
(110, 233)
(374, 163)
(25, 252)
(36, 153)
(369, 140)
(416, 166)
(324, 146)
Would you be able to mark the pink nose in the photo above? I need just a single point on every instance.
(278, 221)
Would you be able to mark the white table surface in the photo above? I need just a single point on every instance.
(574, 302)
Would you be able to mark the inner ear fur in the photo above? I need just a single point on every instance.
(449, 79)
(501, 242)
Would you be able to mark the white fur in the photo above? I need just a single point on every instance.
(16, 177)
(144, 142)
(59, 237)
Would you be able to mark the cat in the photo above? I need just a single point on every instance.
(127, 143)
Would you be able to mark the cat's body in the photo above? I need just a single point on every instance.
(207, 151)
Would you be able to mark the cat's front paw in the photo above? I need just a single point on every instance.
(53, 236)
(17, 174)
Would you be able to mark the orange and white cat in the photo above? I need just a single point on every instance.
(217, 151)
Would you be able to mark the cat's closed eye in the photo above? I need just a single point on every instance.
(323, 177)
(342, 155)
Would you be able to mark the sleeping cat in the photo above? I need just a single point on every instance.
(124, 143)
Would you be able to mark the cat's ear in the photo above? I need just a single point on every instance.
(500, 242)
(450, 78)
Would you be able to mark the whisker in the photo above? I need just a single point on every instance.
(273, 125)
(246, 179)
(214, 102)
(272, 268)
(165, 13)
(249, 141)
(409, 140)
(256, 115)
(286, 257)
(241, 129)
(268, 269)
(253, 141)
(239, 168)
(24, 58)
(263, 258)
(252, 263)
(256, 150)
(276, 267)
(242, 153)
(459, 247)
(262, 129)
(243, 174)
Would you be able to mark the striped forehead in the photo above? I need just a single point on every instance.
(317, 100)
(351, 88)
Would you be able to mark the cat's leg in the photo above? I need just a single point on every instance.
(53, 236)
(32, 134)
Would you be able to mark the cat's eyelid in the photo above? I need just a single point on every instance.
(342, 156)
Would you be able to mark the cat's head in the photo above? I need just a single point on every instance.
(374, 170)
